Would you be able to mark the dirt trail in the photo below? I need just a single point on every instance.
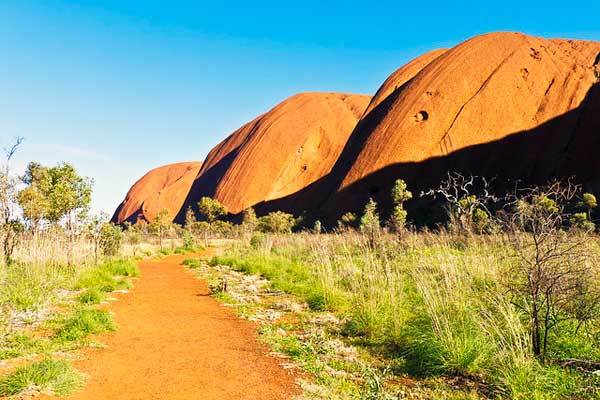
(176, 342)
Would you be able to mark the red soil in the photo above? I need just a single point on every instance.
(176, 342)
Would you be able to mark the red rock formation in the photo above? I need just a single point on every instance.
(501, 104)
(280, 152)
(479, 92)
(165, 187)
(403, 75)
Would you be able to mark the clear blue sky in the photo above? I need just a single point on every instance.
(118, 87)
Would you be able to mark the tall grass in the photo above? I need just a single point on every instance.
(436, 303)
(57, 377)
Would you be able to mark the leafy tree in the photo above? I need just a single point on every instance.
(249, 219)
(276, 222)
(190, 218)
(33, 198)
(588, 203)
(68, 195)
(111, 239)
(400, 194)
(160, 224)
(211, 209)
(369, 222)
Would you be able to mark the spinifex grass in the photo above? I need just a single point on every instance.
(54, 376)
(431, 304)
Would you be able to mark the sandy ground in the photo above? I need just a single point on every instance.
(176, 342)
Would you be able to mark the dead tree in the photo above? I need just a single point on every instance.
(554, 280)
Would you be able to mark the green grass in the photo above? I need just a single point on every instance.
(91, 296)
(57, 377)
(108, 276)
(285, 274)
(432, 305)
(27, 287)
(84, 322)
(192, 263)
(19, 344)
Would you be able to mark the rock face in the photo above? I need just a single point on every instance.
(501, 104)
(280, 152)
(163, 187)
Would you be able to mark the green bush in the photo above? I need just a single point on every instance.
(192, 263)
(90, 296)
(106, 277)
(57, 377)
(111, 239)
(84, 322)
(276, 222)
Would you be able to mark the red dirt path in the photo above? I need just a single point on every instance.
(176, 342)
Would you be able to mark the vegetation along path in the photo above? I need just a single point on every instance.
(176, 342)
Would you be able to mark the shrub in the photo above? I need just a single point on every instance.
(111, 239)
(347, 221)
(83, 323)
(90, 296)
(57, 377)
(211, 209)
(276, 222)
(369, 222)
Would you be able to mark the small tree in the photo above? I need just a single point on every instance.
(10, 227)
(190, 219)
(276, 222)
(554, 278)
(400, 194)
(317, 228)
(589, 203)
(347, 221)
(369, 222)
(111, 239)
(93, 231)
(249, 220)
(467, 200)
(160, 224)
(33, 199)
(211, 209)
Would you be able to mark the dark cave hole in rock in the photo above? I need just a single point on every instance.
(421, 116)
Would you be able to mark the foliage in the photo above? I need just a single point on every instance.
(190, 218)
(276, 222)
(369, 222)
(211, 209)
(10, 228)
(84, 322)
(400, 193)
(317, 228)
(54, 193)
(249, 220)
(555, 279)
(429, 307)
(347, 221)
(160, 224)
(111, 239)
(468, 200)
(57, 377)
